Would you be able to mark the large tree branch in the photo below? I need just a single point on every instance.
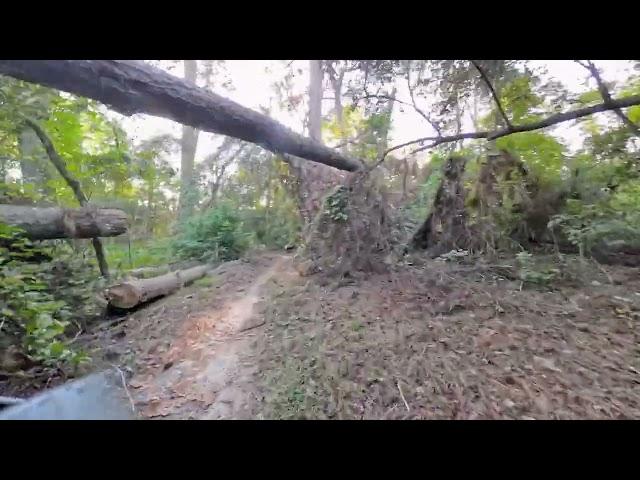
(496, 99)
(131, 87)
(57, 161)
(74, 184)
(544, 123)
(606, 96)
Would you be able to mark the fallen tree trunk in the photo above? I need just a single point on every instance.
(148, 272)
(131, 87)
(42, 223)
(131, 293)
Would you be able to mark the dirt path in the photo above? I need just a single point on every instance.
(200, 374)
(432, 340)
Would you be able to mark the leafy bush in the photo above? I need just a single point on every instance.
(38, 299)
(142, 253)
(613, 219)
(336, 204)
(423, 204)
(532, 273)
(216, 234)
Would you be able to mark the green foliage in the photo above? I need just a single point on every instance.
(613, 219)
(423, 203)
(142, 253)
(591, 97)
(216, 234)
(370, 130)
(336, 204)
(530, 272)
(206, 282)
(38, 299)
(543, 154)
(263, 190)
(518, 99)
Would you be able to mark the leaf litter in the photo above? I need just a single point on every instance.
(430, 340)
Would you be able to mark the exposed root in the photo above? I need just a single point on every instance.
(445, 228)
(352, 232)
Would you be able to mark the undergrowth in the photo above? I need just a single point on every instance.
(216, 234)
(47, 293)
(140, 253)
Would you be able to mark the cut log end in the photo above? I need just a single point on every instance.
(124, 296)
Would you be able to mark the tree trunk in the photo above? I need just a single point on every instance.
(147, 272)
(41, 223)
(131, 87)
(336, 83)
(188, 146)
(315, 100)
(313, 179)
(405, 175)
(151, 211)
(383, 144)
(32, 158)
(129, 294)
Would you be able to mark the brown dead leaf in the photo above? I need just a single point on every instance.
(135, 384)
(153, 409)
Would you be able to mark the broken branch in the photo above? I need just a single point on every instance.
(606, 96)
(486, 80)
(74, 184)
(544, 123)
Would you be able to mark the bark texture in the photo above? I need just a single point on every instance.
(42, 223)
(131, 293)
(188, 146)
(131, 87)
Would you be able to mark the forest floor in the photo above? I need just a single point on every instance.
(430, 340)
(185, 350)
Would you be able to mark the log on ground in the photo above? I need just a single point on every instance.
(42, 223)
(132, 293)
(148, 272)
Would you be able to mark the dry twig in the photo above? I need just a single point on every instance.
(402, 396)
(124, 384)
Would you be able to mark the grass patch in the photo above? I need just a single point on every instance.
(143, 253)
(207, 281)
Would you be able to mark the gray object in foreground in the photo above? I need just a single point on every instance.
(96, 397)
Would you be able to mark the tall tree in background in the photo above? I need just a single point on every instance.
(32, 158)
(189, 145)
(313, 178)
(315, 99)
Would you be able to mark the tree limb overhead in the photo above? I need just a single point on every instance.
(131, 87)
(544, 123)
(493, 92)
(606, 96)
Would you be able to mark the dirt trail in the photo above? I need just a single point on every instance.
(199, 375)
